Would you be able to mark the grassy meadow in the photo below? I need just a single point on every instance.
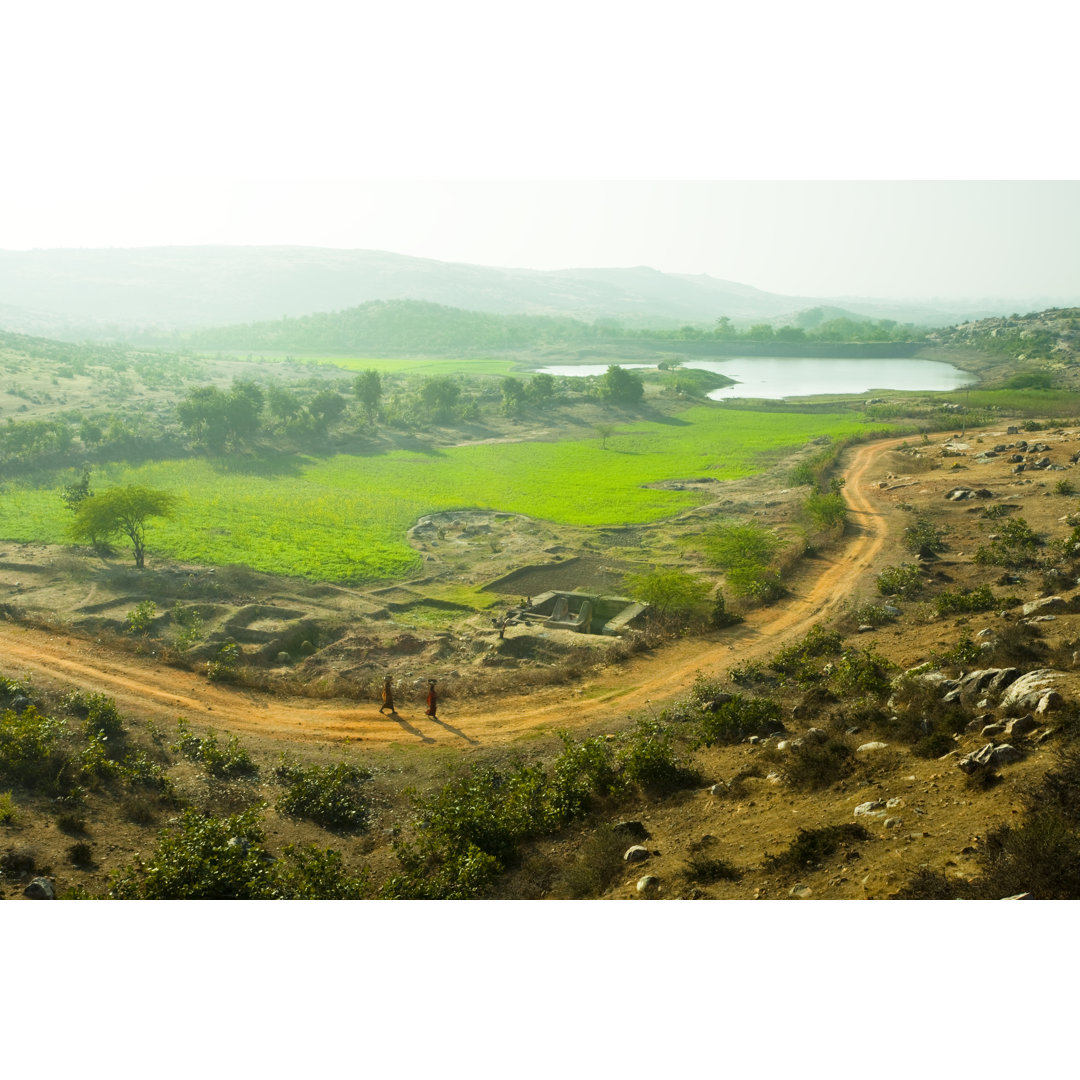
(344, 518)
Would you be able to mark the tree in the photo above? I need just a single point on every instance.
(670, 592)
(513, 395)
(605, 431)
(328, 406)
(121, 511)
(618, 384)
(368, 388)
(283, 404)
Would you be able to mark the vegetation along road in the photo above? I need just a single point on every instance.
(144, 687)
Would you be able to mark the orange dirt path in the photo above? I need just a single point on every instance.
(143, 687)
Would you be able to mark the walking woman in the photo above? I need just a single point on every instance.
(432, 700)
(387, 697)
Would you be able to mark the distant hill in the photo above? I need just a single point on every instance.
(1038, 338)
(147, 292)
(391, 326)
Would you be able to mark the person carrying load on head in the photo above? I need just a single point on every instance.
(432, 700)
(387, 697)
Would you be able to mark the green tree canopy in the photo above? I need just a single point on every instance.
(121, 512)
(618, 384)
(368, 388)
(670, 592)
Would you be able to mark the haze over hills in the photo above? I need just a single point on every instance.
(134, 292)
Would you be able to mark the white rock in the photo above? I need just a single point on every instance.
(867, 747)
(636, 854)
(871, 808)
(648, 883)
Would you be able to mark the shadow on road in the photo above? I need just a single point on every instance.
(453, 730)
(406, 726)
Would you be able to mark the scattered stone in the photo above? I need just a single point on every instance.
(869, 809)
(1019, 896)
(892, 822)
(648, 883)
(869, 747)
(800, 892)
(40, 888)
(636, 854)
(1028, 690)
(997, 728)
(1051, 701)
(894, 803)
(969, 763)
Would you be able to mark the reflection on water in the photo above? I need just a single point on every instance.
(777, 377)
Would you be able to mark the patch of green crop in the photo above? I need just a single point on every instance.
(422, 365)
(344, 518)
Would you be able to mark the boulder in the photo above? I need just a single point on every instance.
(977, 759)
(997, 728)
(636, 854)
(1027, 691)
(40, 888)
(870, 747)
(1043, 605)
(873, 808)
(1005, 755)
(648, 883)
(1020, 726)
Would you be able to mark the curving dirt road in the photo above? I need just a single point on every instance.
(145, 688)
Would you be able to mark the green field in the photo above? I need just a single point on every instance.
(344, 518)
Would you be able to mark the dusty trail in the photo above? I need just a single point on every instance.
(144, 687)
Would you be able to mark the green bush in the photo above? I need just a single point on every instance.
(228, 763)
(328, 795)
(224, 666)
(798, 660)
(924, 537)
(99, 713)
(647, 758)
(200, 857)
(29, 754)
(583, 772)
(902, 581)
(8, 813)
(734, 720)
(965, 601)
(827, 509)
(862, 671)
(190, 625)
(141, 617)
(1015, 547)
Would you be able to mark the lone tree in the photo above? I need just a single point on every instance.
(368, 388)
(121, 511)
(670, 592)
(622, 386)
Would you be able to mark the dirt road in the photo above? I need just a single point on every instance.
(145, 688)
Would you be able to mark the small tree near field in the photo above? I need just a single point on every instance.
(121, 512)
(670, 592)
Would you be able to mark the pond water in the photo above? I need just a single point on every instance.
(777, 377)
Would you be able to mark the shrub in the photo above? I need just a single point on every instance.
(934, 746)
(71, 824)
(313, 873)
(670, 592)
(99, 712)
(598, 865)
(902, 581)
(1064, 487)
(80, 854)
(28, 747)
(190, 624)
(224, 666)
(328, 795)
(1015, 547)
(811, 846)
(797, 660)
(826, 509)
(870, 615)
(863, 671)
(965, 601)
(647, 758)
(705, 871)
(812, 766)
(924, 537)
(734, 720)
(8, 813)
(229, 762)
(720, 616)
(141, 617)
(581, 773)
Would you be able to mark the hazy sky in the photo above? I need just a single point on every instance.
(784, 147)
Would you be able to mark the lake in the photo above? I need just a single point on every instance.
(777, 377)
